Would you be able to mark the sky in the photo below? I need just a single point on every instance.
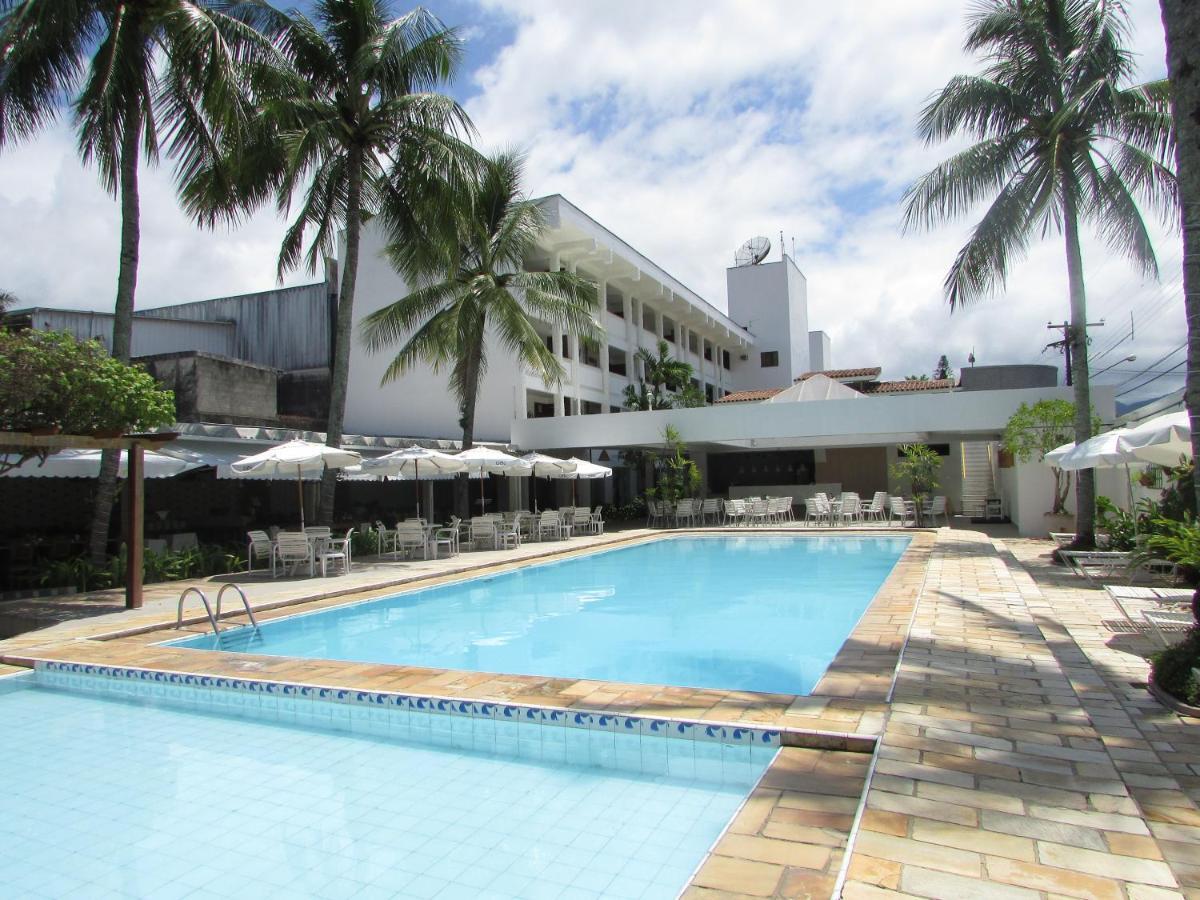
(685, 128)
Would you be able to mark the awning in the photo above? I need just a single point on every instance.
(86, 464)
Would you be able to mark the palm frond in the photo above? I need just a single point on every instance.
(962, 181)
(1115, 215)
(975, 105)
(391, 323)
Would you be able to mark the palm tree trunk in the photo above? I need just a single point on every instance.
(462, 485)
(1085, 482)
(343, 331)
(122, 334)
(1181, 22)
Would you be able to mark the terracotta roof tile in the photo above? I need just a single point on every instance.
(867, 372)
(744, 396)
(904, 387)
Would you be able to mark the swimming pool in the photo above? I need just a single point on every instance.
(754, 612)
(140, 784)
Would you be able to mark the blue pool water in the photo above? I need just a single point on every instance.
(149, 796)
(758, 613)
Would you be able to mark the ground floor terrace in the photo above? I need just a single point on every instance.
(985, 731)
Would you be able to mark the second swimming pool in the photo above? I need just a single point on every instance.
(757, 613)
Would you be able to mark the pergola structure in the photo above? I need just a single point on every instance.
(134, 446)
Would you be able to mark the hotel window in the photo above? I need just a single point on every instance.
(709, 393)
(724, 359)
(617, 361)
(769, 359)
(708, 351)
(592, 409)
(693, 343)
(668, 330)
(566, 346)
(648, 320)
(589, 352)
(615, 305)
(615, 409)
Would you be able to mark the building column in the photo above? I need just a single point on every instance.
(573, 342)
(602, 322)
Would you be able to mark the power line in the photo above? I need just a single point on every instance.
(1151, 381)
(1157, 362)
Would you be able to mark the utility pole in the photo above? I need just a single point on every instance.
(1065, 343)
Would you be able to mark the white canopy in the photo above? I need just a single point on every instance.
(1160, 440)
(296, 458)
(492, 461)
(544, 466)
(815, 387)
(588, 470)
(415, 461)
(86, 464)
(1100, 452)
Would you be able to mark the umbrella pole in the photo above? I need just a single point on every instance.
(417, 476)
(300, 494)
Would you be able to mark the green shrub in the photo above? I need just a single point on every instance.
(1175, 669)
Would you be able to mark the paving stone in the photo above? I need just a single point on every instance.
(1109, 865)
(945, 886)
(1044, 830)
(784, 853)
(1103, 821)
(910, 852)
(1053, 880)
(981, 841)
(757, 879)
(924, 808)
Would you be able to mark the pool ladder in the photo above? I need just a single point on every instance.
(214, 618)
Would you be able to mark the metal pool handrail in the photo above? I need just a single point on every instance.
(208, 608)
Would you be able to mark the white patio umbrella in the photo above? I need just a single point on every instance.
(1160, 440)
(86, 464)
(409, 461)
(586, 471)
(543, 466)
(1103, 451)
(299, 457)
(489, 461)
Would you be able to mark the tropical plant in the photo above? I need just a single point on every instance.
(676, 476)
(1181, 24)
(49, 380)
(660, 372)
(1061, 139)
(349, 116)
(1122, 527)
(942, 370)
(1176, 670)
(1177, 542)
(1033, 431)
(1178, 498)
(470, 277)
(139, 78)
(920, 468)
(916, 377)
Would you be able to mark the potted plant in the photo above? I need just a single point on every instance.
(919, 468)
(1031, 433)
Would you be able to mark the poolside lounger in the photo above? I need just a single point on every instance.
(258, 547)
(1121, 594)
(1164, 621)
(1093, 565)
(1062, 538)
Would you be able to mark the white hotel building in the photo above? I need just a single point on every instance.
(252, 370)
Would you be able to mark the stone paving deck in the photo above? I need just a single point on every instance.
(1017, 759)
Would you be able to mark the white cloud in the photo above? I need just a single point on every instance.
(685, 128)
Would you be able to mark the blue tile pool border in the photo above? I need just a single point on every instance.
(692, 749)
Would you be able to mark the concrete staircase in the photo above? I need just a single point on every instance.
(978, 475)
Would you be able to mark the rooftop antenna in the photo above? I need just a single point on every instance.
(752, 252)
(782, 245)
(971, 358)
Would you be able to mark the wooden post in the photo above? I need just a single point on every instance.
(134, 535)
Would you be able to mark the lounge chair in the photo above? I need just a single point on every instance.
(1121, 594)
(877, 508)
(904, 510)
(1094, 565)
(1164, 621)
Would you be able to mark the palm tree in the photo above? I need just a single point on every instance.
(351, 117)
(469, 272)
(660, 371)
(1060, 140)
(138, 78)
(1181, 22)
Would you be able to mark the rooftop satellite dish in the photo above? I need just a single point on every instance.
(752, 252)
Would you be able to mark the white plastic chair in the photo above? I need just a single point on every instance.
(292, 548)
(336, 550)
(258, 546)
(550, 524)
(934, 508)
(411, 537)
(904, 510)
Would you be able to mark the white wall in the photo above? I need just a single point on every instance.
(771, 301)
(820, 351)
(420, 403)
